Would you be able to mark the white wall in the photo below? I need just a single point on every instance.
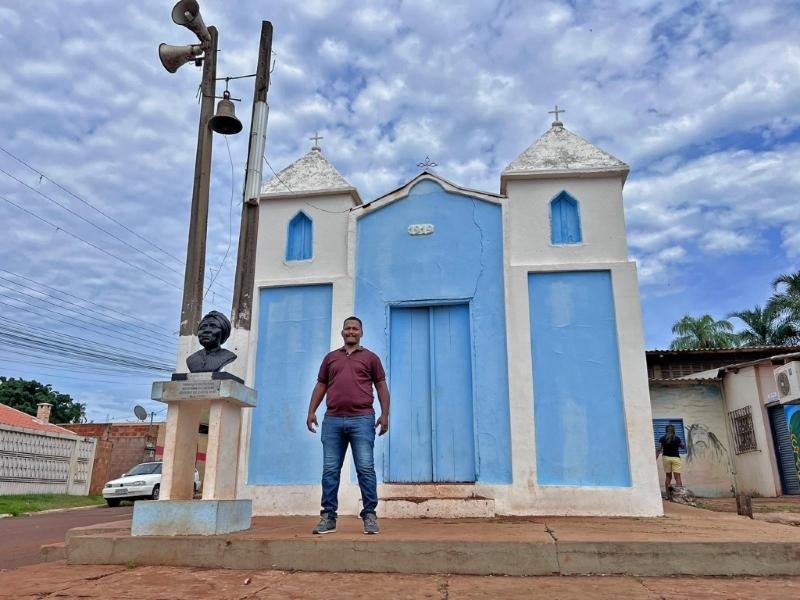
(707, 469)
(601, 215)
(40, 462)
(755, 471)
(604, 247)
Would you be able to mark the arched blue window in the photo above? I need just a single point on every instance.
(565, 220)
(299, 238)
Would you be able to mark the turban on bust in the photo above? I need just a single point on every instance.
(221, 321)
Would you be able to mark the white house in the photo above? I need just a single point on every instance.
(509, 326)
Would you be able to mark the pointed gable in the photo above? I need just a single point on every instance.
(561, 152)
(310, 175)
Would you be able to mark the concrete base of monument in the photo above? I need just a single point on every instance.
(686, 541)
(191, 517)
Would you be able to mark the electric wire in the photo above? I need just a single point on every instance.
(103, 330)
(96, 247)
(84, 309)
(278, 177)
(154, 329)
(230, 225)
(90, 205)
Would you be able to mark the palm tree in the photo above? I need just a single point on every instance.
(702, 332)
(765, 327)
(787, 296)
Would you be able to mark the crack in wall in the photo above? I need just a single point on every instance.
(480, 231)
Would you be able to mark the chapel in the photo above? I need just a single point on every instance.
(509, 325)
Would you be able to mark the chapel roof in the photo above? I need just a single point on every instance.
(311, 174)
(561, 152)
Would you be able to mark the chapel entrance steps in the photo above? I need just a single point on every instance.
(686, 541)
(433, 501)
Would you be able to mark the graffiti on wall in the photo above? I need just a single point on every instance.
(703, 444)
(792, 412)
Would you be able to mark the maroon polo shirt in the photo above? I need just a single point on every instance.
(350, 378)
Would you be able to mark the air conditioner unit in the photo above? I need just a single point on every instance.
(787, 377)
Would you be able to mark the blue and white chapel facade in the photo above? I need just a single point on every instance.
(509, 325)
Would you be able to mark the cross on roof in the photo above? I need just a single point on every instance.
(317, 137)
(556, 111)
(428, 163)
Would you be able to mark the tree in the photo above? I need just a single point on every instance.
(24, 395)
(766, 327)
(787, 296)
(702, 332)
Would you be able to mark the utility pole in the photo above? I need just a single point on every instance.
(242, 309)
(192, 307)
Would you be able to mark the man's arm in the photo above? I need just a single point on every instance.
(660, 448)
(383, 398)
(316, 399)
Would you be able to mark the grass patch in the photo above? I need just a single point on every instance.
(27, 503)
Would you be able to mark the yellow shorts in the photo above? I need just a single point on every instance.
(672, 464)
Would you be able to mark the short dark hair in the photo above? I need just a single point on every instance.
(360, 324)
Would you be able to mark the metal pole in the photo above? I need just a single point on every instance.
(246, 257)
(192, 307)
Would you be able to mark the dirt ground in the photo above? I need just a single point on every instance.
(760, 505)
(57, 580)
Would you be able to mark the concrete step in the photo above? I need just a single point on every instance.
(436, 508)
(686, 542)
(53, 552)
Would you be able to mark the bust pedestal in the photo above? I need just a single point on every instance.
(176, 513)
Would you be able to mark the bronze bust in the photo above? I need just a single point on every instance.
(212, 332)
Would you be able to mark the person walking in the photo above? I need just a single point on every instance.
(347, 376)
(670, 445)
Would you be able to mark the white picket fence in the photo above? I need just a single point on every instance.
(37, 462)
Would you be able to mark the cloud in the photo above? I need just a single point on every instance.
(699, 98)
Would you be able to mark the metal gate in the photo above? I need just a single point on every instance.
(790, 480)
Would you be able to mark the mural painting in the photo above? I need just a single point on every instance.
(792, 412)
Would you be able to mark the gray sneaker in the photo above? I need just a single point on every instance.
(371, 524)
(327, 524)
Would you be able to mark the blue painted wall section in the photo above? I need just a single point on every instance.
(565, 220)
(460, 263)
(299, 238)
(578, 409)
(294, 328)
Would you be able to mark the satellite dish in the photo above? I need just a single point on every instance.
(140, 412)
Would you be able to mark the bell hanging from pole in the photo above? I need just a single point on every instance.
(225, 121)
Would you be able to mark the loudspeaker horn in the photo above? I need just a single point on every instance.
(187, 13)
(174, 57)
(225, 121)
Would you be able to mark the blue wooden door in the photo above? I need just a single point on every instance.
(431, 436)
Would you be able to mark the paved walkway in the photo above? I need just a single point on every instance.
(58, 580)
(687, 541)
(22, 537)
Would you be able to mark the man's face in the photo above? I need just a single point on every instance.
(351, 334)
(210, 334)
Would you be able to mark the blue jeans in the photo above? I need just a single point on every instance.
(359, 432)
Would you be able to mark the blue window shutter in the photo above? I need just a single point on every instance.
(660, 429)
(565, 222)
(299, 238)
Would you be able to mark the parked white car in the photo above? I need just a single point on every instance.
(142, 481)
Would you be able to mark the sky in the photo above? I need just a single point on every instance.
(97, 149)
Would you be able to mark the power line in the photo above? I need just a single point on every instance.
(92, 206)
(150, 331)
(96, 247)
(286, 185)
(103, 330)
(230, 225)
(85, 220)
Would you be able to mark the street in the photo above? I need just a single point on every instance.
(21, 537)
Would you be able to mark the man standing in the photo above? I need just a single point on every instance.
(347, 376)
